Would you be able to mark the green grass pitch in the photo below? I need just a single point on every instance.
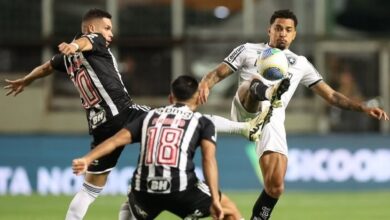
(367, 205)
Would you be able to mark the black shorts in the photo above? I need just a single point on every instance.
(108, 129)
(192, 203)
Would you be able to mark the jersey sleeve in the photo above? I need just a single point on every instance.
(135, 128)
(207, 130)
(57, 62)
(236, 58)
(311, 75)
(97, 40)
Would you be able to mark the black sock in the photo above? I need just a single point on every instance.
(257, 90)
(263, 207)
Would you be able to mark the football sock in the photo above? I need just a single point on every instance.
(263, 206)
(258, 90)
(81, 201)
(223, 125)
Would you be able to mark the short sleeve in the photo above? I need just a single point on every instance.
(236, 58)
(97, 40)
(135, 128)
(311, 75)
(58, 63)
(207, 130)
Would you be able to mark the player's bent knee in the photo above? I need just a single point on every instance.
(274, 186)
(275, 190)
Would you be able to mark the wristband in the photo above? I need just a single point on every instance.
(76, 45)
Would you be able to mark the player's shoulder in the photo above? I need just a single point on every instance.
(254, 46)
(200, 116)
(203, 118)
(94, 38)
(294, 58)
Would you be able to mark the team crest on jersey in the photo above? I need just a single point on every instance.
(291, 60)
(159, 184)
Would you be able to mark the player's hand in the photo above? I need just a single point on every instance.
(79, 166)
(377, 113)
(204, 92)
(67, 49)
(15, 86)
(216, 211)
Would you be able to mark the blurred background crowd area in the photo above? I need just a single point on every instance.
(157, 40)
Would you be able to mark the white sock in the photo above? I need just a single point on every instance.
(268, 93)
(79, 205)
(227, 126)
(125, 212)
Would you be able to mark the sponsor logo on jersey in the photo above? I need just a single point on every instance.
(159, 184)
(235, 54)
(97, 117)
(185, 114)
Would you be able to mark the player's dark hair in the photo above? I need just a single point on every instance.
(285, 13)
(95, 13)
(184, 87)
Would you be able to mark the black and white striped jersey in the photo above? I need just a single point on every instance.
(168, 139)
(95, 75)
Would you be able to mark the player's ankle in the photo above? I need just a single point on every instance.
(268, 93)
(258, 90)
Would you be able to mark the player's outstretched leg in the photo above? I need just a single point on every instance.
(256, 124)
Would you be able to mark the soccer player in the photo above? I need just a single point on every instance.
(164, 178)
(253, 91)
(92, 68)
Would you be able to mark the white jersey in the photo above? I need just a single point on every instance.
(243, 61)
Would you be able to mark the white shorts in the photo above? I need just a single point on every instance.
(273, 137)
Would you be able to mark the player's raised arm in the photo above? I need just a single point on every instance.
(121, 138)
(81, 44)
(337, 99)
(210, 79)
(16, 86)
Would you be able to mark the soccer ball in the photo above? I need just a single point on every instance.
(272, 64)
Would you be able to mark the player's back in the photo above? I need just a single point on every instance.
(170, 136)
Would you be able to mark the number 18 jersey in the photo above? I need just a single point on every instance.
(168, 139)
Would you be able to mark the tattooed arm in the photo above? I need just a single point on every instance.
(339, 100)
(210, 79)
